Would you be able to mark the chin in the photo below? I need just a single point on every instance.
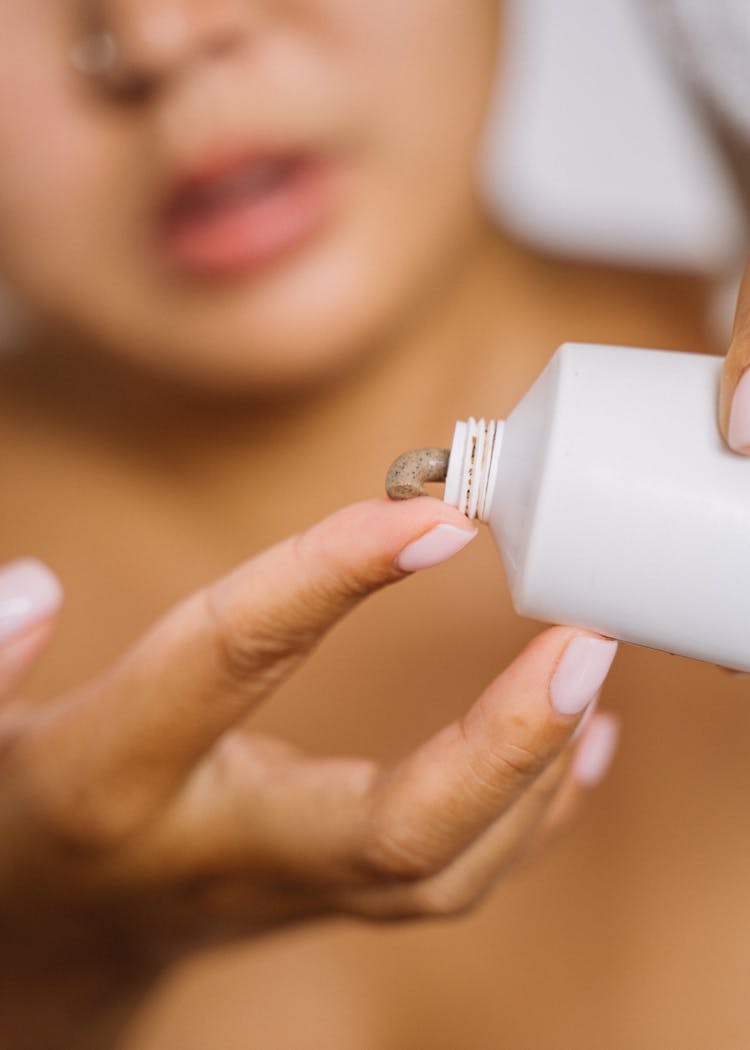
(268, 341)
(311, 320)
(253, 370)
(226, 356)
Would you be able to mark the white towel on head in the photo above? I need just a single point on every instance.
(713, 38)
(595, 149)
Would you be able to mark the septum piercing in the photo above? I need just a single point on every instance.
(96, 54)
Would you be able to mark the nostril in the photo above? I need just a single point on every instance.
(102, 58)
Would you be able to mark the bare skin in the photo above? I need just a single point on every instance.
(157, 799)
(123, 854)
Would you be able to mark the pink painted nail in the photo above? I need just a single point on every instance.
(739, 416)
(434, 547)
(588, 714)
(580, 673)
(29, 591)
(596, 750)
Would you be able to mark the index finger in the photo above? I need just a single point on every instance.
(138, 731)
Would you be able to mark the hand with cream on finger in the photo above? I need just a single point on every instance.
(141, 819)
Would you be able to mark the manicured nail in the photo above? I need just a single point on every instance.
(435, 546)
(588, 714)
(596, 750)
(581, 673)
(739, 416)
(29, 591)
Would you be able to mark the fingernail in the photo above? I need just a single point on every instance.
(581, 673)
(435, 546)
(739, 416)
(596, 751)
(588, 714)
(29, 591)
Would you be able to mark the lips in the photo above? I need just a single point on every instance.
(243, 213)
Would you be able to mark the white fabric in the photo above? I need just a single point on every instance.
(593, 148)
(714, 39)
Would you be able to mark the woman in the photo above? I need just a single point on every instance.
(246, 242)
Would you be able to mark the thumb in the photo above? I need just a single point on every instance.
(218, 654)
(734, 397)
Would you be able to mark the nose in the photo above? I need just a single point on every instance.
(152, 40)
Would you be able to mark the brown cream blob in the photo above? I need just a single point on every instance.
(409, 474)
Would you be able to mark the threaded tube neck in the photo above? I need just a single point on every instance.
(472, 468)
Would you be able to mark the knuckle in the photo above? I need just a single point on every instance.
(507, 759)
(260, 651)
(334, 582)
(443, 899)
(389, 856)
(517, 759)
(264, 639)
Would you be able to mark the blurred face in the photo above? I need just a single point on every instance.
(240, 193)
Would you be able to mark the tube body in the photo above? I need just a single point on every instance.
(617, 507)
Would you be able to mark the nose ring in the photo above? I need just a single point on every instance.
(95, 55)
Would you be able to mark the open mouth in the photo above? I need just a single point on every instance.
(244, 213)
